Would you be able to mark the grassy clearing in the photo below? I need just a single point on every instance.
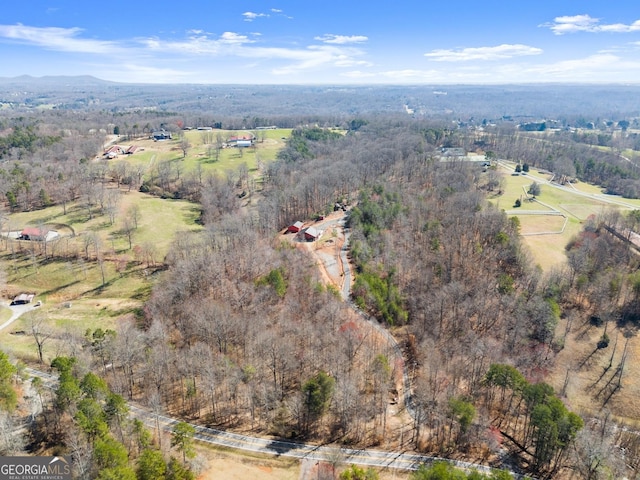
(578, 202)
(160, 220)
(202, 153)
(72, 275)
(62, 322)
(537, 224)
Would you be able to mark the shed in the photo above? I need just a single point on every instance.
(311, 234)
(296, 227)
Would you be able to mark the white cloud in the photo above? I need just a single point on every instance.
(282, 60)
(585, 23)
(598, 67)
(341, 39)
(499, 52)
(54, 38)
(280, 13)
(251, 16)
(148, 74)
(234, 38)
(317, 56)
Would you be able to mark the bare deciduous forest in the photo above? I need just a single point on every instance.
(241, 332)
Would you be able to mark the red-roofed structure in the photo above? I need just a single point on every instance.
(34, 233)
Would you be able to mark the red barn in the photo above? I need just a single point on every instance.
(311, 234)
(296, 227)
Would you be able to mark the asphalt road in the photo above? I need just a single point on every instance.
(363, 457)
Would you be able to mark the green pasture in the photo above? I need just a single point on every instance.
(122, 281)
(73, 320)
(159, 221)
(538, 224)
(202, 151)
(577, 203)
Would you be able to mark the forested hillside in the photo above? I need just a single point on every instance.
(238, 329)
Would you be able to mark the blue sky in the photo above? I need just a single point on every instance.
(330, 42)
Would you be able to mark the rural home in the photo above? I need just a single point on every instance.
(34, 233)
(161, 135)
(452, 154)
(23, 299)
(240, 142)
(295, 228)
(113, 151)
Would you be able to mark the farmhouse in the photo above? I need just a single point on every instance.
(161, 135)
(295, 228)
(452, 154)
(34, 233)
(240, 142)
(113, 151)
(23, 299)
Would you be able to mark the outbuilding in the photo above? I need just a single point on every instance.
(161, 135)
(311, 234)
(296, 227)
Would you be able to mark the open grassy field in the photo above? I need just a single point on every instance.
(202, 151)
(576, 201)
(77, 291)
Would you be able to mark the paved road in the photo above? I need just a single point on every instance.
(363, 457)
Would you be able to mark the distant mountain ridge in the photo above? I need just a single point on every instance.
(56, 80)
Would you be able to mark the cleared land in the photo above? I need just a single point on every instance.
(576, 201)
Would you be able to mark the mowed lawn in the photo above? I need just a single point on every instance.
(71, 272)
(202, 153)
(158, 221)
